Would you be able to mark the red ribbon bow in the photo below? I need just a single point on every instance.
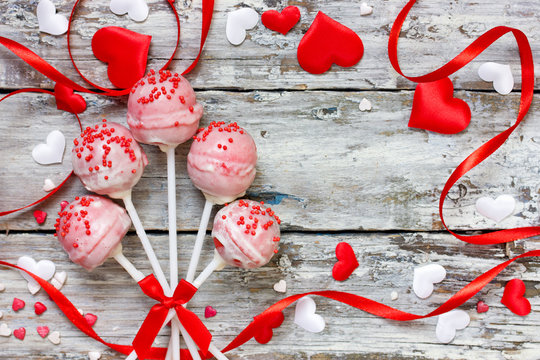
(158, 313)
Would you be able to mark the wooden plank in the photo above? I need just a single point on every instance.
(323, 164)
(267, 60)
(305, 261)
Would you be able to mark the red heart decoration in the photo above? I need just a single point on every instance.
(125, 51)
(328, 42)
(513, 298)
(19, 333)
(482, 307)
(18, 304)
(436, 109)
(67, 100)
(266, 323)
(43, 331)
(209, 312)
(347, 262)
(39, 308)
(281, 22)
(40, 216)
(90, 319)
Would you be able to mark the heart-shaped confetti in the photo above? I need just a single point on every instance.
(238, 21)
(425, 277)
(269, 322)
(18, 304)
(39, 308)
(436, 109)
(280, 286)
(305, 316)
(90, 318)
(365, 9)
(5, 331)
(94, 355)
(137, 10)
(49, 21)
(481, 307)
(209, 312)
(347, 262)
(54, 337)
(498, 209)
(328, 42)
(19, 333)
(499, 74)
(53, 151)
(365, 105)
(449, 322)
(281, 22)
(40, 216)
(43, 331)
(33, 287)
(125, 51)
(48, 185)
(67, 100)
(45, 269)
(513, 297)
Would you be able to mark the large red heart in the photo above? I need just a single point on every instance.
(436, 109)
(281, 22)
(267, 322)
(67, 100)
(125, 51)
(328, 42)
(513, 298)
(347, 262)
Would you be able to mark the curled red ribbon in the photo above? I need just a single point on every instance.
(156, 317)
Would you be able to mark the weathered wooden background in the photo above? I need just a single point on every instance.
(331, 172)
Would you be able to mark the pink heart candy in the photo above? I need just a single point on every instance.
(43, 331)
(39, 308)
(18, 304)
(209, 312)
(19, 333)
(90, 319)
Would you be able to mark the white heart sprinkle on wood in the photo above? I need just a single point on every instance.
(54, 337)
(280, 286)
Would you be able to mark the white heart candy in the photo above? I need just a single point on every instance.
(449, 322)
(81, 311)
(425, 277)
(54, 337)
(33, 287)
(53, 151)
(394, 295)
(137, 10)
(497, 209)
(281, 286)
(4, 330)
(305, 317)
(365, 105)
(94, 355)
(48, 185)
(499, 74)
(45, 269)
(365, 9)
(59, 279)
(49, 21)
(238, 22)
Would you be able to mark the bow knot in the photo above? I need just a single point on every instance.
(158, 313)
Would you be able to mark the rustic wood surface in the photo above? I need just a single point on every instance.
(332, 173)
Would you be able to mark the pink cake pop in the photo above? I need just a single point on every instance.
(162, 109)
(107, 160)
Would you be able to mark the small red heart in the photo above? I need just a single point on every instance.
(43, 331)
(90, 319)
(513, 298)
(19, 333)
(18, 304)
(347, 262)
(125, 51)
(63, 204)
(281, 22)
(328, 42)
(39, 308)
(436, 109)
(209, 312)
(267, 322)
(67, 100)
(482, 307)
(40, 216)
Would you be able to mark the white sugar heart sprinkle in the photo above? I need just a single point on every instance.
(48, 185)
(238, 21)
(33, 287)
(365, 9)
(49, 21)
(499, 74)
(281, 286)
(2, 287)
(497, 209)
(394, 295)
(5, 330)
(53, 151)
(54, 337)
(425, 277)
(81, 311)
(45, 269)
(305, 317)
(59, 279)
(449, 322)
(365, 105)
(137, 10)
(94, 355)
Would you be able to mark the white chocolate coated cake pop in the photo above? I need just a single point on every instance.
(90, 229)
(221, 161)
(246, 234)
(107, 159)
(163, 110)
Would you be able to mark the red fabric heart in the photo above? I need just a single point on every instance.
(347, 262)
(18, 304)
(281, 22)
(39, 308)
(436, 109)
(90, 319)
(67, 100)
(40, 216)
(482, 307)
(19, 333)
(43, 331)
(328, 42)
(209, 312)
(513, 298)
(125, 51)
(270, 321)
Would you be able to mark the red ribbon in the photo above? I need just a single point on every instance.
(158, 313)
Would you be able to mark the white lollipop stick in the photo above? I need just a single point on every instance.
(126, 264)
(196, 254)
(216, 264)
